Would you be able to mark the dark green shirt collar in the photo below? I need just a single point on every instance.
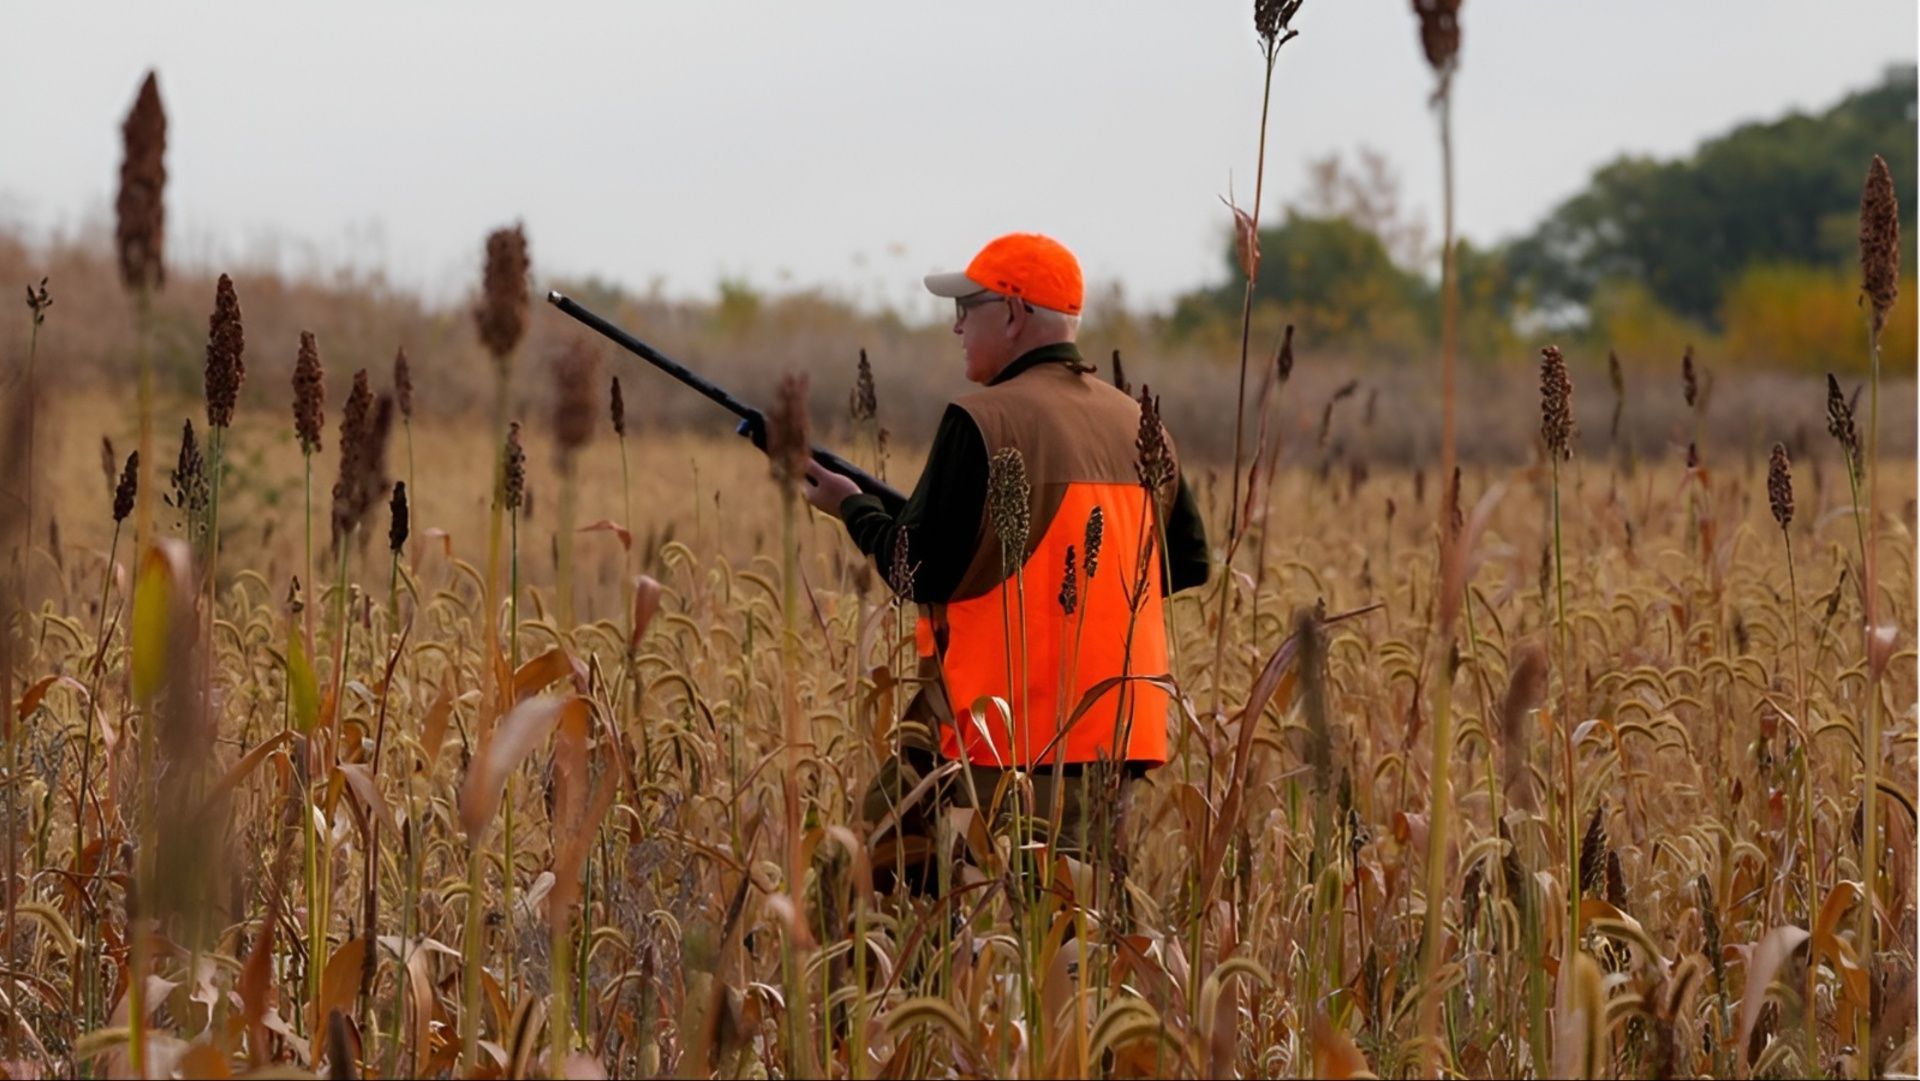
(1057, 353)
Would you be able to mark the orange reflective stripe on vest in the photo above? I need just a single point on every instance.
(1016, 643)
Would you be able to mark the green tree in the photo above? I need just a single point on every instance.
(1787, 191)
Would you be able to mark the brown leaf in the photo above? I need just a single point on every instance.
(340, 981)
(606, 525)
(548, 668)
(517, 734)
(30, 701)
(434, 728)
(646, 604)
(256, 988)
(1246, 241)
(1335, 1056)
(1768, 955)
(361, 782)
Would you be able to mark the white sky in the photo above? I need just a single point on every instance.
(852, 146)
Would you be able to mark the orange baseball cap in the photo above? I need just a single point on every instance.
(1035, 268)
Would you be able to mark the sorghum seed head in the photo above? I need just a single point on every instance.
(573, 407)
(1556, 403)
(1439, 31)
(39, 301)
(190, 491)
(1090, 543)
(403, 383)
(1008, 503)
(1879, 241)
(309, 394)
(1069, 586)
(1271, 19)
(140, 210)
(129, 485)
(863, 404)
(1840, 424)
(1120, 375)
(1593, 847)
(1283, 363)
(1689, 382)
(1780, 485)
(789, 442)
(226, 346)
(397, 529)
(618, 407)
(356, 421)
(1153, 460)
(502, 313)
(516, 468)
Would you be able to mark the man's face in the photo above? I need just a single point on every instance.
(985, 323)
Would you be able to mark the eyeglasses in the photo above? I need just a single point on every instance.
(963, 305)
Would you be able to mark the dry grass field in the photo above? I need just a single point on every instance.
(1259, 916)
(1593, 757)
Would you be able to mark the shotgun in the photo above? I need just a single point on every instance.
(753, 423)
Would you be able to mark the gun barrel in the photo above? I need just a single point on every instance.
(651, 355)
(752, 417)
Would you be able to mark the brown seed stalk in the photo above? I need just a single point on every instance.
(403, 383)
(1780, 485)
(502, 312)
(1008, 503)
(1090, 543)
(1840, 425)
(789, 442)
(1153, 458)
(1593, 847)
(397, 526)
(1689, 381)
(129, 484)
(1556, 403)
(862, 403)
(190, 491)
(139, 209)
(309, 394)
(618, 407)
(573, 405)
(356, 420)
(516, 468)
(1879, 241)
(1439, 32)
(226, 347)
(39, 301)
(1069, 585)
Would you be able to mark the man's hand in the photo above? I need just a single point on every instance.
(826, 489)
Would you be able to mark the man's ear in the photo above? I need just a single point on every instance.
(1017, 316)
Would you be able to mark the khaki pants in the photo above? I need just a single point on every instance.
(1091, 804)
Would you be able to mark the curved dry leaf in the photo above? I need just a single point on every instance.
(608, 525)
(1768, 955)
(548, 668)
(363, 786)
(513, 738)
(30, 701)
(646, 604)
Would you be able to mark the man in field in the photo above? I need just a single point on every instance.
(1085, 610)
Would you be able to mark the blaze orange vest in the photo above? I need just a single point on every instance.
(1008, 636)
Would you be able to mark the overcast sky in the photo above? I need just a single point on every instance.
(852, 146)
